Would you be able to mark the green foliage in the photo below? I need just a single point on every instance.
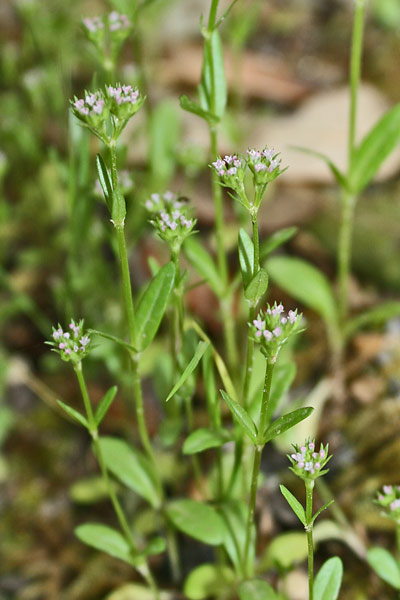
(256, 589)
(286, 422)
(257, 287)
(106, 539)
(384, 565)
(74, 414)
(208, 580)
(213, 88)
(241, 417)
(105, 404)
(294, 504)
(329, 579)
(204, 439)
(201, 348)
(246, 257)
(201, 260)
(198, 520)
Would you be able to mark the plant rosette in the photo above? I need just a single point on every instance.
(273, 327)
(307, 462)
(72, 345)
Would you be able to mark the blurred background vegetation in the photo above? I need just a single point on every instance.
(287, 66)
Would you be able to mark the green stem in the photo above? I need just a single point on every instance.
(258, 448)
(212, 16)
(355, 72)
(309, 530)
(398, 540)
(344, 252)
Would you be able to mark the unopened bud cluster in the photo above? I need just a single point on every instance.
(389, 499)
(170, 216)
(264, 165)
(115, 25)
(273, 327)
(95, 109)
(71, 345)
(308, 462)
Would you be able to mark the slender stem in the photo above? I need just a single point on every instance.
(126, 285)
(344, 252)
(309, 530)
(355, 71)
(258, 448)
(213, 15)
(398, 540)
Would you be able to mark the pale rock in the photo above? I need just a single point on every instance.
(296, 585)
(321, 124)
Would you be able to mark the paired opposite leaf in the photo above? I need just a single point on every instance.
(131, 467)
(153, 304)
(286, 422)
(257, 287)
(241, 416)
(201, 348)
(329, 579)
(275, 240)
(198, 520)
(294, 504)
(105, 404)
(385, 565)
(106, 539)
(74, 414)
(194, 108)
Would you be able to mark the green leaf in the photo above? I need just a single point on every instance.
(201, 348)
(385, 565)
(306, 283)
(246, 256)
(105, 181)
(105, 404)
(135, 591)
(282, 379)
(275, 240)
(74, 414)
(256, 589)
(118, 212)
(329, 579)
(234, 513)
(89, 490)
(213, 89)
(164, 139)
(197, 520)
(153, 304)
(194, 108)
(241, 416)
(374, 149)
(257, 286)
(284, 551)
(324, 507)
(338, 175)
(131, 467)
(112, 338)
(106, 539)
(294, 504)
(374, 316)
(286, 422)
(208, 580)
(200, 259)
(203, 439)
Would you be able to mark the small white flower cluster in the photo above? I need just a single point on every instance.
(389, 499)
(229, 165)
(92, 105)
(93, 24)
(307, 462)
(123, 94)
(273, 327)
(118, 22)
(70, 345)
(264, 161)
(170, 216)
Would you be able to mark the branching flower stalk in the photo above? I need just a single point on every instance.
(349, 200)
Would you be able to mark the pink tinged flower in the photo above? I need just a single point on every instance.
(218, 164)
(254, 154)
(292, 316)
(309, 466)
(165, 217)
(84, 340)
(277, 310)
(76, 348)
(322, 453)
(259, 324)
(67, 335)
(388, 489)
(380, 497)
(62, 346)
(260, 167)
(395, 504)
(237, 163)
(149, 205)
(317, 465)
(315, 455)
(172, 225)
(303, 449)
(67, 351)
(57, 334)
(258, 333)
(300, 465)
(277, 331)
(311, 446)
(232, 171)
(274, 164)
(155, 198)
(284, 320)
(268, 335)
(294, 456)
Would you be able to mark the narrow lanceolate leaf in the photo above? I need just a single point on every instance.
(204, 439)
(153, 304)
(113, 338)
(385, 565)
(105, 404)
(74, 414)
(256, 589)
(131, 468)
(213, 89)
(338, 175)
(324, 507)
(329, 579)
(204, 264)
(201, 348)
(241, 416)
(257, 287)
(294, 504)
(196, 109)
(198, 520)
(374, 316)
(286, 422)
(374, 149)
(306, 283)
(105, 181)
(106, 539)
(275, 240)
(246, 256)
